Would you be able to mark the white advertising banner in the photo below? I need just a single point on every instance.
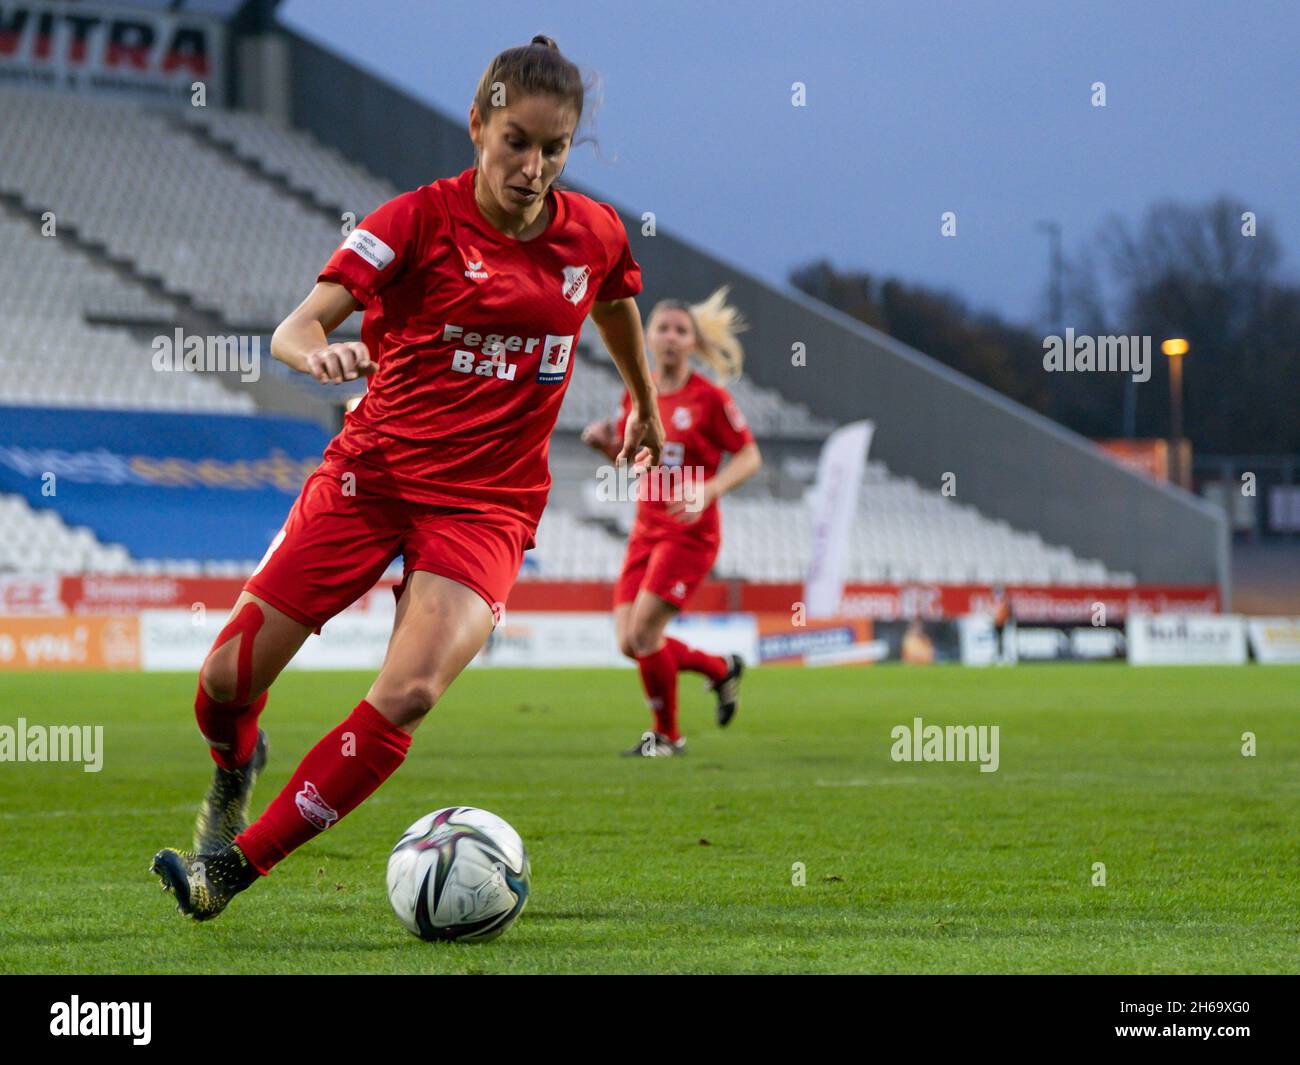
(1275, 641)
(181, 639)
(834, 501)
(357, 639)
(541, 640)
(979, 645)
(719, 634)
(112, 49)
(1186, 639)
(537, 640)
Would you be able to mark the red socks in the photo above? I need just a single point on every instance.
(229, 728)
(659, 678)
(335, 777)
(714, 667)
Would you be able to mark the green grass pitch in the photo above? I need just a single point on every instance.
(686, 865)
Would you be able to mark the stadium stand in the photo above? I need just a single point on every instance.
(295, 158)
(50, 354)
(214, 184)
(232, 245)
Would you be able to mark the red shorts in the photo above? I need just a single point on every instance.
(670, 569)
(335, 546)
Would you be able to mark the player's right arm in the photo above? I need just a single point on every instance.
(373, 256)
(301, 341)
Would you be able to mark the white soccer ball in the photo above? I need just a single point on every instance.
(458, 873)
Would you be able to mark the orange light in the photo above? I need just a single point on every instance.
(1176, 346)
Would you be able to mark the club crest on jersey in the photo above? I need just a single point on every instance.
(574, 285)
(682, 418)
(555, 359)
(474, 269)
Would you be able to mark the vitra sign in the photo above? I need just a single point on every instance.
(98, 48)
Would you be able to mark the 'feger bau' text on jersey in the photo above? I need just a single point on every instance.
(474, 333)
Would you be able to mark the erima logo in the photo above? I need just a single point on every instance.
(370, 247)
(474, 264)
(102, 1018)
(555, 359)
(315, 810)
(574, 285)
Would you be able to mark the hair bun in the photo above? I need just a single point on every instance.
(544, 41)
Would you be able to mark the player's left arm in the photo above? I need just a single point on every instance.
(739, 468)
(619, 322)
(729, 429)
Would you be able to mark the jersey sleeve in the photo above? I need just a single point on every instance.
(623, 275)
(378, 250)
(727, 426)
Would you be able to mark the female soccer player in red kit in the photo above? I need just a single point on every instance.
(475, 289)
(678, 528)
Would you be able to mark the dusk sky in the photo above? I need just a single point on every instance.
(913, 109)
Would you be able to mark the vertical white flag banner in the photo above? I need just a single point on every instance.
(834, 506)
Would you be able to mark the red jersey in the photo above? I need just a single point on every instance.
(473, 332)
(701, 423)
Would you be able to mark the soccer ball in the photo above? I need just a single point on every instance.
(458, 873)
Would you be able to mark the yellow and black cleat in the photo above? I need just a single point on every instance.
(224, 813)
(203, 884)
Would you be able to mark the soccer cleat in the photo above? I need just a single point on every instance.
(224, 813)
(203, 884)
(655, 745)
(728, 691)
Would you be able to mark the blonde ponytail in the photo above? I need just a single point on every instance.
(716, 324)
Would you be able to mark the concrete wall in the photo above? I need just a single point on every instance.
(375, 124)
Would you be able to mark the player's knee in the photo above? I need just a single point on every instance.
(626, 645)
(641, 641)
(412, 699)
(219, 677)
(227, 674)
